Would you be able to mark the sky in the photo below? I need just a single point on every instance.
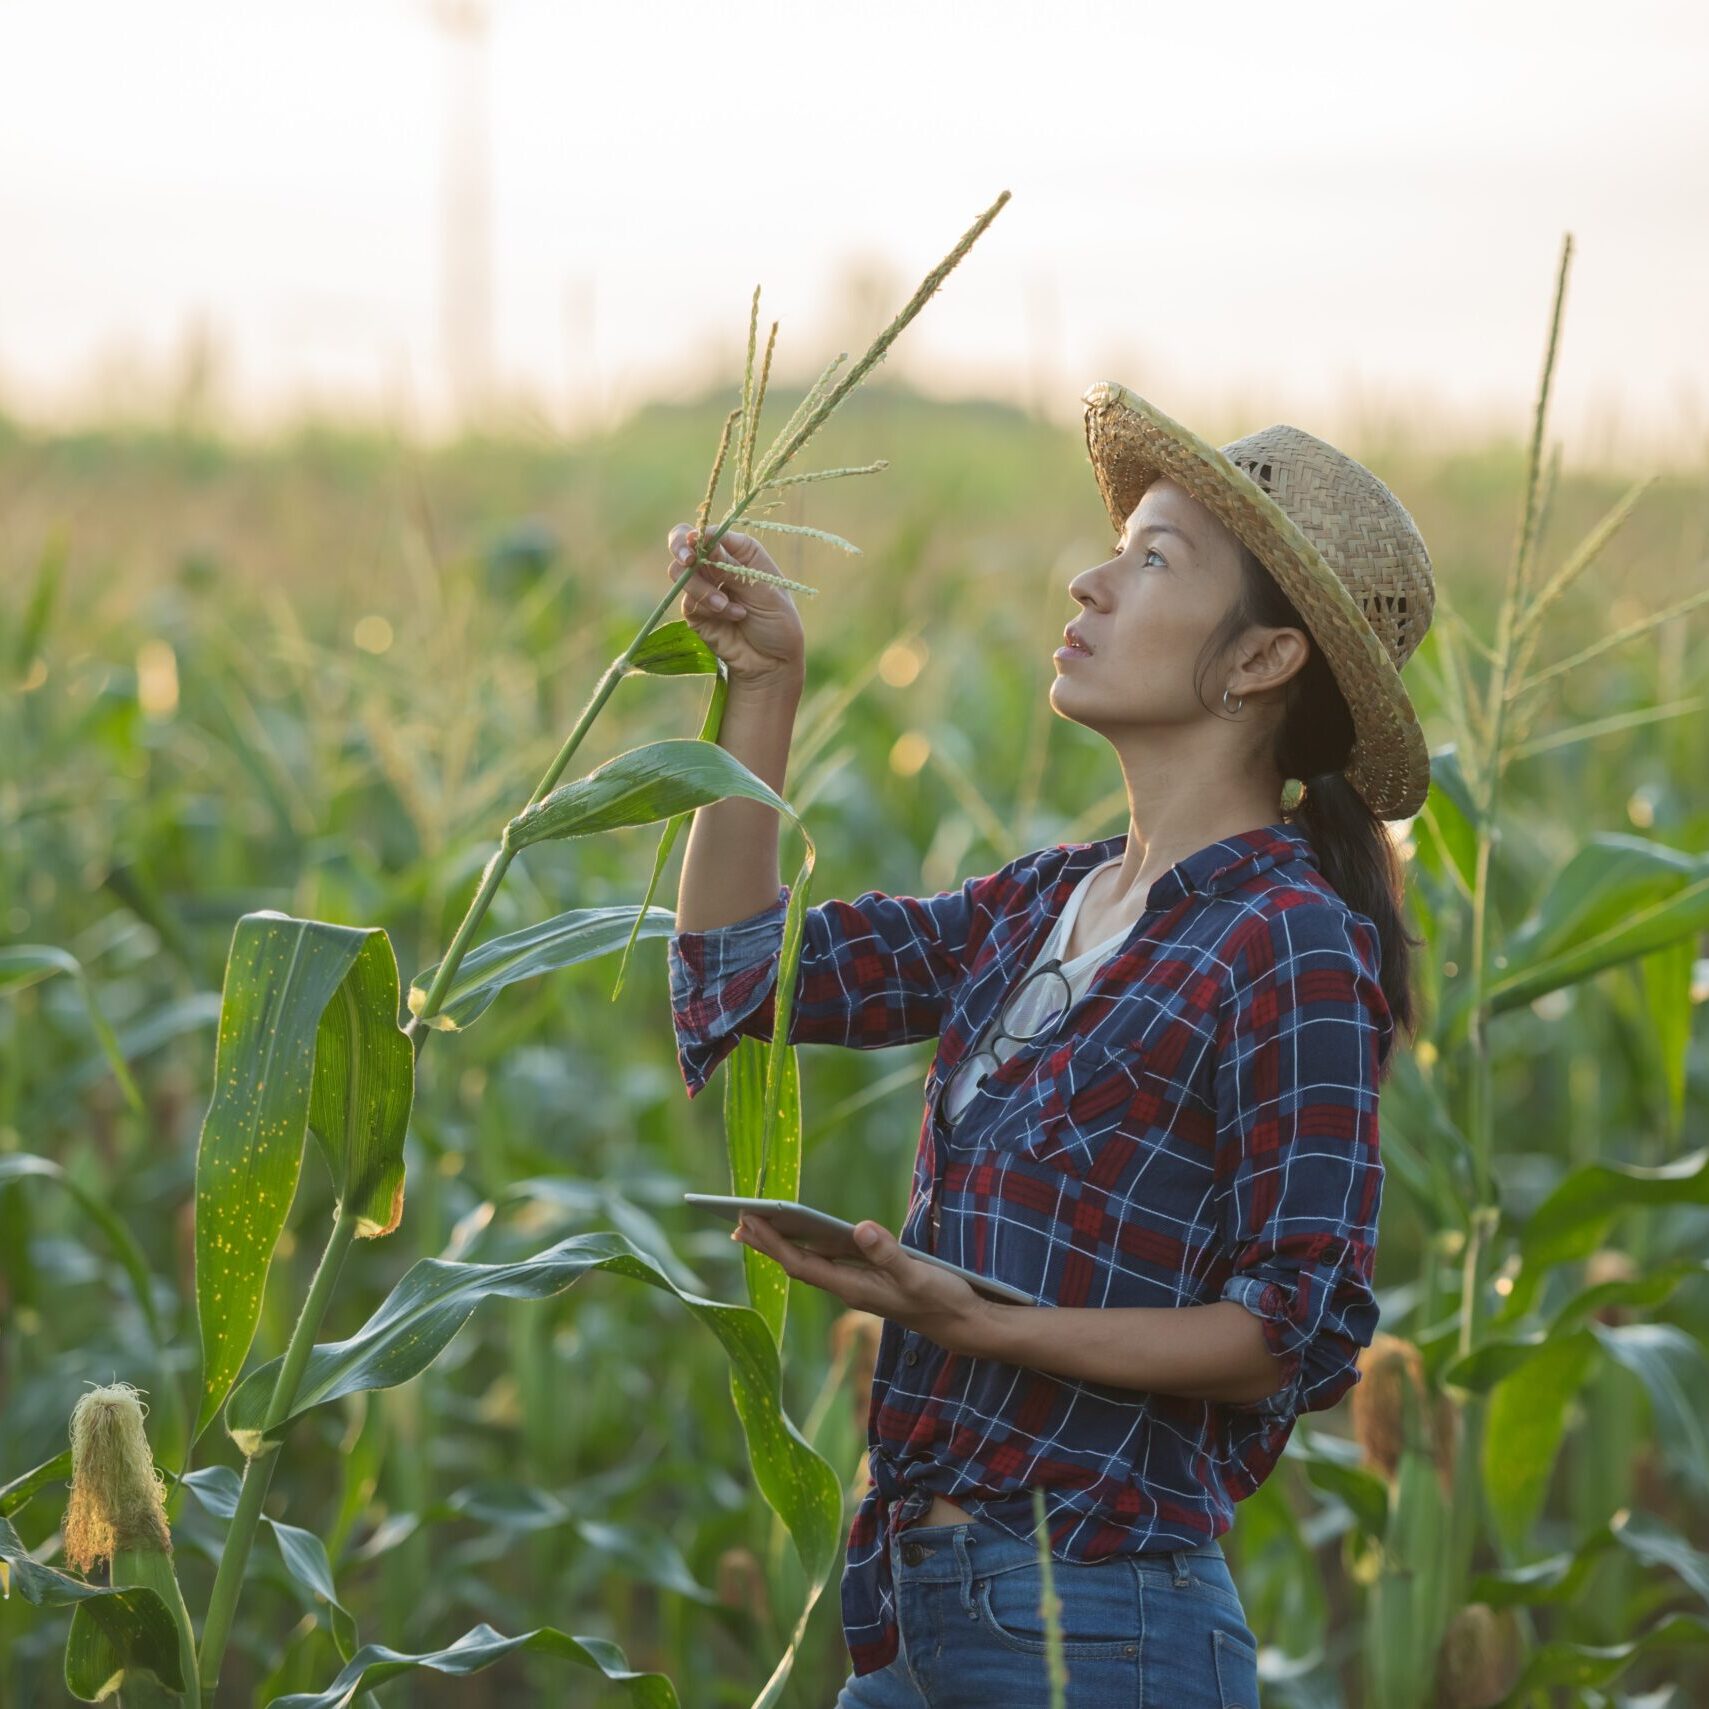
(1322, 213)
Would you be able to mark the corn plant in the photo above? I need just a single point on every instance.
(311, 1038)
(1459, 1427)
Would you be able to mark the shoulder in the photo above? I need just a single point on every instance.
(1295, 939)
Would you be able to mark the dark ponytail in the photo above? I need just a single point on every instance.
(1354, 850)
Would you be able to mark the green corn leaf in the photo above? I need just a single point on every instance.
(17, 1494)
(364, 1083)
(1571, 1222)
(583, 934)
(1336, 1466)
(1671, 1366)
(23, 965)
(304, 1554)
(22, 1165)
(674, 649)
(1523, 1426)
(1445, 832)
(136, 1629)
(1560, 1578)
(637, 787)
(710, 725)
(1561, 1662)
(305, 1022)
(434, 1299)
(1616, 899)
(479, 1648)
(745, 1138)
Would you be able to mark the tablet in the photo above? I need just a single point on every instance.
(831, 1237)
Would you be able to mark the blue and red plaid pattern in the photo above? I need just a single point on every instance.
(1203, 1127)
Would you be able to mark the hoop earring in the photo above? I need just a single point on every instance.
(1235, 710)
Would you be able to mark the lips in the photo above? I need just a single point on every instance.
(1073, 638)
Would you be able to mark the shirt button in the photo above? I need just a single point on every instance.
(911, 1357)
(913, 1554)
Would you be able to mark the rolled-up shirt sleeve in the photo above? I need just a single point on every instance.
(1302, 1039)
(877, 971)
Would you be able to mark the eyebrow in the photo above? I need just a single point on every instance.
(1156, 528)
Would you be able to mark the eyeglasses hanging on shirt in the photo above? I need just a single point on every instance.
(1034, 1011)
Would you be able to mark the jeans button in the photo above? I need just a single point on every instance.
(913, 1554)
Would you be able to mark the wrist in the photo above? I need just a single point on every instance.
(780, 687)
(984, 1329)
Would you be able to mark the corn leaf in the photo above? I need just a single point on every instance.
(304, 1554)
(479, 1648)
(637, 787)
(17, 1494)
(745, 1134)
(1559, 1578)
(22, 1165)
(136, 1630)
(580, 935)
(1616, 899)
(1561, 1662)
(23, 965)
(710, 724)
(292, 1036)
(1671, 1366)
(674, 649)
(1523, 1426)
(434, 1299)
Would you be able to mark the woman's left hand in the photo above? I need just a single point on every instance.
(889, 1283)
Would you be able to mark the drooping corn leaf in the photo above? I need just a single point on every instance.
(22, 1165)
(1671, 1366)
(282, 978)
(434, 1299)
(1561, 1662)
(674, 649)
(18, 1493)
(710, 725)
(580, 935)
(479, 1648)
(1559, 1578)
(217, 1489)
(23, 965)
(1616, 899)
(1571, 1222)
(634, 788)
(133, 1624)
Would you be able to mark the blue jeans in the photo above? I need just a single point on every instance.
(1161, 1630)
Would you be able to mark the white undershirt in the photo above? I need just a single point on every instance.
(1079, 972)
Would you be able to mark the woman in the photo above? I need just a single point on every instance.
(1154, 1100)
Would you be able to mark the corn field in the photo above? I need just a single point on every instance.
(316, 754)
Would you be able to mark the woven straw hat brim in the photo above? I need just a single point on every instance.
(1132, 443)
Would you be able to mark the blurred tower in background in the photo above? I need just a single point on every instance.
(465, 276)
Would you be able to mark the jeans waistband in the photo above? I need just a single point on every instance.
(946, 1554)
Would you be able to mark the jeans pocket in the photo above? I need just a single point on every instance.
(1099, 1613)
(1236, 1670)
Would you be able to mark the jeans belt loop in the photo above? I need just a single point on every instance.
(1183, 1577)
(964, 1583)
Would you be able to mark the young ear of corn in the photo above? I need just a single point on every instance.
(117, 1514)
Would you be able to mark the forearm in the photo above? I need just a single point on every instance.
(1214, 1352)
(729, 867)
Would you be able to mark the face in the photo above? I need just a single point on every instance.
(1146, 612)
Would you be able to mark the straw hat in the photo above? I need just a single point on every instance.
(1341, 545)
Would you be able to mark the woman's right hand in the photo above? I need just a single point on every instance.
(758, 632)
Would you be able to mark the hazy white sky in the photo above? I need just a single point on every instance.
(1259, 211)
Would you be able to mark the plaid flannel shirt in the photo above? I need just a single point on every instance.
(1203, 1127)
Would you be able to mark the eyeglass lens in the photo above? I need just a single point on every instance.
(1035, 1008)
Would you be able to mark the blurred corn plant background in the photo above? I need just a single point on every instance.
(252, 689)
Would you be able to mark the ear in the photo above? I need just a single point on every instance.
(1272, 657)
